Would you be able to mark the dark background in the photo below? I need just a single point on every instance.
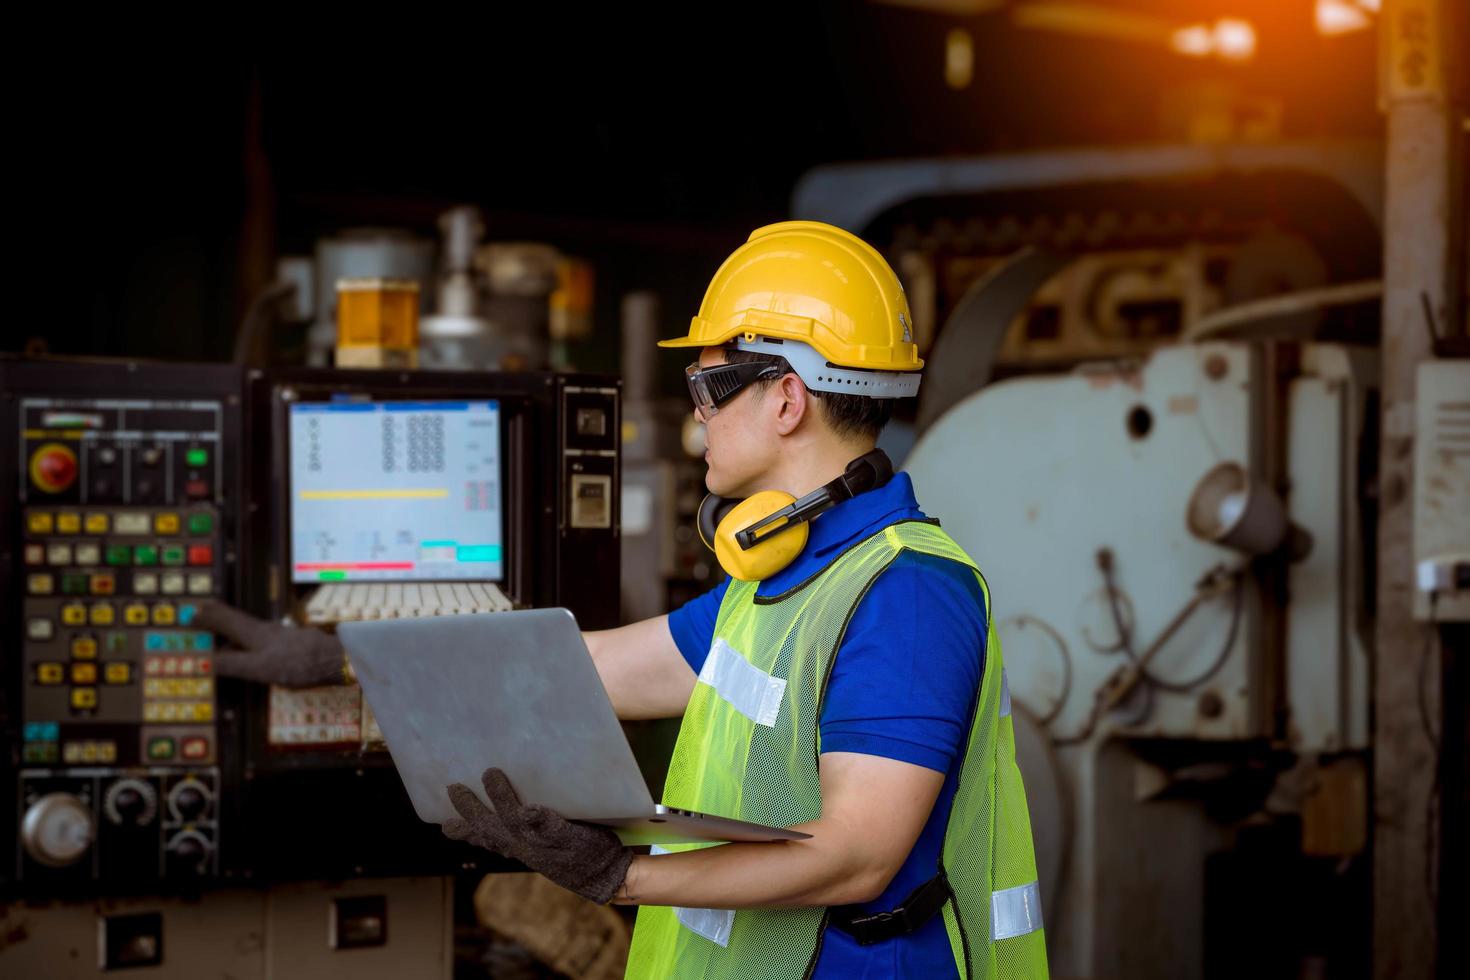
(167, 165)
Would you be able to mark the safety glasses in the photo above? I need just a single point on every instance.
(713, 386)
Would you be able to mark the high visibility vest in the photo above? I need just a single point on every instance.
(749, 748)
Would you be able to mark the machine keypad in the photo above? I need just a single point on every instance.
(110, 595)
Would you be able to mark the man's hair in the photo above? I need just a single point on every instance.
(847, 415)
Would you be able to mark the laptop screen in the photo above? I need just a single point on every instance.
(396, 491)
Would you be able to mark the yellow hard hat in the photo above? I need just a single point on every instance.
(814, 283)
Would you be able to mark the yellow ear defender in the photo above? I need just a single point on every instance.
(755, 538)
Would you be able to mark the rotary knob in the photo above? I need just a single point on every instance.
(189, 851)
(130, 801)
(53, 467)
(189, 800)
(56, 830)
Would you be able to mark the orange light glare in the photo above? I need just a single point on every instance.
(1235, 40)
(1340, 17)
(1196, 41)
(959, 58)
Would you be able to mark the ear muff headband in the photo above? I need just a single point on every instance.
(755, 538)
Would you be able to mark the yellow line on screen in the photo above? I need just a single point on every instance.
(431, 493)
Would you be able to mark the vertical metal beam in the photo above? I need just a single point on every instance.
(1418, 277)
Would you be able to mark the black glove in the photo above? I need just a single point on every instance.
(269, 652)
(588, 860)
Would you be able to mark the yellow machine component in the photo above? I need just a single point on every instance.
(814, 283)
(778, 547)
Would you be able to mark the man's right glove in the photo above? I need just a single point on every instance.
(269, 652)
(588, 860)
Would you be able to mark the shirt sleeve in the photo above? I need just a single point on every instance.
(693, 624)
(909, 667)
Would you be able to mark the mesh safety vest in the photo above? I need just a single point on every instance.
(749, 749)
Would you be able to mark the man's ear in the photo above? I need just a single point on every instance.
(791, 402)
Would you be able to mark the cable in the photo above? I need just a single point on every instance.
(257, 321)
(1022, 620)
(1125, 633)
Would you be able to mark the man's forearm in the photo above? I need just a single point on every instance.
(828, 869)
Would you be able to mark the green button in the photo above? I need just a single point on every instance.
(197, 457)
(160, 748)
(117, 642)
(201, 523)
(173, 554)
(74, 585)
(119, 554)
(145, 554)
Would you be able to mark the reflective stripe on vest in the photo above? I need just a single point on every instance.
(1015, 911)
(712, 924)
(742, 685)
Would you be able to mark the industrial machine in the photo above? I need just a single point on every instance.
(546, 495)
(192, 812)
(126, 483)
(1150, 415)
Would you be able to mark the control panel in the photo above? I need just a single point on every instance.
(122, 485)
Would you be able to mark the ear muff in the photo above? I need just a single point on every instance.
(755, 538)
(779, 544)
(712, 510)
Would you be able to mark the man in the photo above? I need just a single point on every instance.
(883, 729)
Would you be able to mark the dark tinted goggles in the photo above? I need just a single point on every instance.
(713, 386)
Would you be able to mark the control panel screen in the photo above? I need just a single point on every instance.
(395, 491)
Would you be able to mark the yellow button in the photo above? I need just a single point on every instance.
(163, 614)
(84, 648)
(84, 697)
(152, 712)
(152, 687)
(186, 712)
(103, 614)
(106, 751)
(89, 751)
(204, 712)
(39, 522)
(135, 614)
(166, 523)
(118, 673)
(49, 673)
(168, 712)
(168, 688)
(204, 688)
(69, 523)
(84, 673)
(97, 524)
(74, 614)
(40, 584)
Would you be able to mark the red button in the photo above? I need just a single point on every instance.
(197, 488)
(196, 748)
(201, 554)
(53, 467)
(203, 665)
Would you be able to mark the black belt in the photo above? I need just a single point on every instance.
(868, 928)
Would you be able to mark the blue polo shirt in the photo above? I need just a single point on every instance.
(902, 687)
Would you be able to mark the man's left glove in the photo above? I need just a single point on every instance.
(270, 653)
(590, 861)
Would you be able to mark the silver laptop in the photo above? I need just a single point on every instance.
(455, 695)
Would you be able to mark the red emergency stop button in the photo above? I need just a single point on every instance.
(53, 467)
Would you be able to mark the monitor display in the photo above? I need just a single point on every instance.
(391, 491)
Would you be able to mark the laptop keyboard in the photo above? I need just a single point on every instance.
(340, 603)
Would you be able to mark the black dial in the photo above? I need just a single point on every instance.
(189, 801)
